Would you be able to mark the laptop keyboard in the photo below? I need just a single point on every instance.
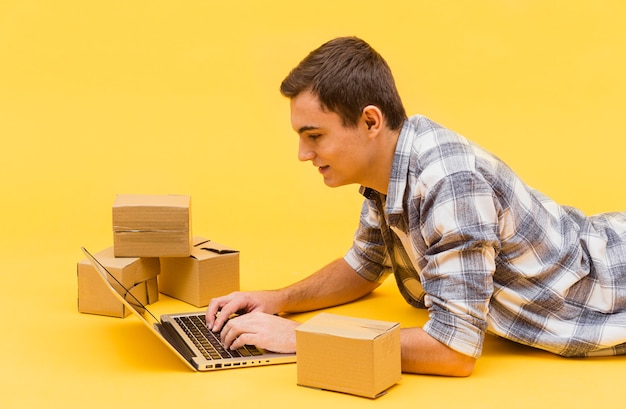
(208, 342)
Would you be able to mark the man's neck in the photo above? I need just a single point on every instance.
(381, 170)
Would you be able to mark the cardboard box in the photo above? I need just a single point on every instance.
(351, 355)
(212, 270)
(139, 275)
(152, 226)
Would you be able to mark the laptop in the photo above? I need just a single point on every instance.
(187, 336)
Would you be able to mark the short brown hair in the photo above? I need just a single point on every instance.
(346, 74)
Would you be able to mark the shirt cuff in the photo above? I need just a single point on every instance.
(456, 334)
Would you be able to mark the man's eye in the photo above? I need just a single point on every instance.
(314, 136)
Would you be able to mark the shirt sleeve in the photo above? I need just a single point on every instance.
(368, 256)
(458, 219)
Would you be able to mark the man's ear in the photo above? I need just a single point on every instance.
(372, 117)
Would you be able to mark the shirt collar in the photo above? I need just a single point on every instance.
(399, 172)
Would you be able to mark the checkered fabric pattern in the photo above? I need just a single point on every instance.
(467, 239)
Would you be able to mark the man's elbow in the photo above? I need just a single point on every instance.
(464, 366)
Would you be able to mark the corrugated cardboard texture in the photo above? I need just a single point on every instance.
(138, 275)
(350, 355)
(152, 225)
(212, 270)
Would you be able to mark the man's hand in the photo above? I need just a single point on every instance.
(220, 309)
(263, 330)
(337, 283)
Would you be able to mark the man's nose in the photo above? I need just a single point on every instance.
(305, 152)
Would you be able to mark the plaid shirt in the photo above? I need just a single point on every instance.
(467, 239)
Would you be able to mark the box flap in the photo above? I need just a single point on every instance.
(347, 327)
(107, 258)
(204, 248)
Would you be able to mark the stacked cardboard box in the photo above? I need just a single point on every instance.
(211, 270)
(152, 226)
(152, 236)
(138, 275)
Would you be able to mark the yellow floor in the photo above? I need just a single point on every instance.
(51, 354)
(157, 96)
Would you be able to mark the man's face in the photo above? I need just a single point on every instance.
(339, 153)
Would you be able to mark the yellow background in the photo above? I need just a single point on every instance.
(106, 97)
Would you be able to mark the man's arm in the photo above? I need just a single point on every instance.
(337, 283)
(420, 353)
(423, 354)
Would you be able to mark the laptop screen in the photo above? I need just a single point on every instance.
(125, 295)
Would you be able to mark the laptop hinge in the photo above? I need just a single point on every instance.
(169, 333)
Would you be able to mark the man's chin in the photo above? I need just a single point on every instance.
(334, 183)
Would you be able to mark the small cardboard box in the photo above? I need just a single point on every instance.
(137, 274)
(212, 270)
(152, 226)
(351, 355)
